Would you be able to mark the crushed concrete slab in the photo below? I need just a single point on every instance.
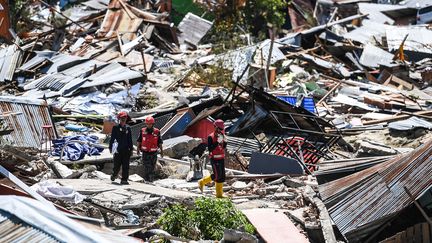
(136, 205)
(176, 184)
(119, 196)
(180, 146)
(254, 204)
(88, 186)
(62, 169)
(374, 149)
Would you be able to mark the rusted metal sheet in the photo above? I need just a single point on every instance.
(119, 19)
(16, 230)
(5, 21)
(26, 117)
(274, 226)
(361, 203)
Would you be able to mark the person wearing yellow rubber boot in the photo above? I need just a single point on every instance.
(216, 145)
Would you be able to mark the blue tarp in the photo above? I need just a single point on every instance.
(76, 151)
(308, 102)
(76, 128)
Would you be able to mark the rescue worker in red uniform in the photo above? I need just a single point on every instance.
(216, 145)
(148, 143)
(121, 147)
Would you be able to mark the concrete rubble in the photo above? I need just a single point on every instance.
(334, 103)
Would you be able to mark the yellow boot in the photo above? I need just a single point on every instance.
(219, 190)
(204, 181)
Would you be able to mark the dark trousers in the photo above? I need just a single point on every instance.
(218, 167)
(149, 161)
(122, 159)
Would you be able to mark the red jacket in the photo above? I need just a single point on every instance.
(149, 140)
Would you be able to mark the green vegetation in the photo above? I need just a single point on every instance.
(259, 13)
(182, 7)
(206, 220)
(213, 75)
(233, 21)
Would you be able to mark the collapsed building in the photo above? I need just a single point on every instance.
(329, 125)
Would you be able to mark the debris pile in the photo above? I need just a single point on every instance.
(328, 117)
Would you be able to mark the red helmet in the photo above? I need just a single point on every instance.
(149, 120)
(219, 124)
(122, 114)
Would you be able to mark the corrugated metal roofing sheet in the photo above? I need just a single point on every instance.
(9, 60)
(41, 56)
(373, 56)
(68, 73)
(26, 117)
(62, 61)
(375, 14)
(366, 33)
(13, 229)
(119, 20)
(361, 203)
(114, 72)
(56, 81)
(193, 28)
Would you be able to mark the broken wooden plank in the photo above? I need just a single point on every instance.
(426, 233)
(328, 93)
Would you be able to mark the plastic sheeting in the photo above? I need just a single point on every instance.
(53, 190)
(98, 103)
(77, 150)
(48, 220)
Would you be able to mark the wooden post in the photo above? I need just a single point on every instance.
(272, 34)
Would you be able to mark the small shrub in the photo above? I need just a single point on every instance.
(206, 220)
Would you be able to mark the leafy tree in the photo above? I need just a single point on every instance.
(259, 13)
